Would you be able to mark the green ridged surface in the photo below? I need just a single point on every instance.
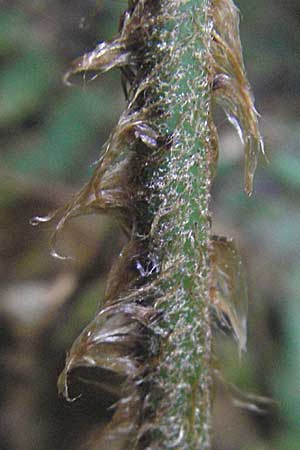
(182, 226)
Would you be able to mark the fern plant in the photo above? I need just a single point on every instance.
(151, 342)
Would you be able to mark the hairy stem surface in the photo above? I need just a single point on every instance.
(181, 226)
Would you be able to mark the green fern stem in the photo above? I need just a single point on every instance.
(181, 228)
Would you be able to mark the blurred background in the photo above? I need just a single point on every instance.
(50, 134)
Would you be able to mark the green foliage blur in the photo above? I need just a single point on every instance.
(51, 133)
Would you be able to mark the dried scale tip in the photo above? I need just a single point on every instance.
(103, 58)
(230, 85)
(113, 185)
(113, 342)
(253, 403)
(228, 289)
